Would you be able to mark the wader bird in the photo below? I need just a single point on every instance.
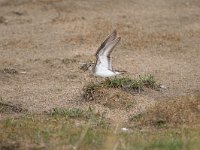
(103, 67)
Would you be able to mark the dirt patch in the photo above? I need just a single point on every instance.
(113, 98)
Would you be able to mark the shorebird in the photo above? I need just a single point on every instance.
(103, 66)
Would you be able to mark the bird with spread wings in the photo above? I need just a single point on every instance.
(103, 66)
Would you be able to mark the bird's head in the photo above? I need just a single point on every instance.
(91, 66)
(87, 66)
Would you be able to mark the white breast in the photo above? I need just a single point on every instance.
(103, 72)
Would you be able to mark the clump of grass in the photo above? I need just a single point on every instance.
(72, 113)
(123, 83)
(131, 84)
(148, 81)
(90, 115)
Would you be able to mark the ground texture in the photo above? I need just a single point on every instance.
(43, 44)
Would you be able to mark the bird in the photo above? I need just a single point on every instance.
(103, 66)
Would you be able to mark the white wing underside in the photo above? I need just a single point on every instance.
(103, 72)
(103, 62)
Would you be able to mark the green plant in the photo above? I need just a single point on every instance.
(95, 118)
(72, 113)
(123, 83)
(148, 80)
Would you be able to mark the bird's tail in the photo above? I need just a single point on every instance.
(120, 71)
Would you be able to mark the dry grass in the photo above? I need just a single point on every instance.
(90, 115)
(56, 131)
(184, 110)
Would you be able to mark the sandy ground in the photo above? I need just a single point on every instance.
(46, 40)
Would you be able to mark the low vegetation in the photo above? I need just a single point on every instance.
(56, 129)
(126, 84)
(169, 125)
(76, 129)
(170, 113)
(95, 118)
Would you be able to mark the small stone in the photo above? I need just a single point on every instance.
(163, 87)
(124, 129)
